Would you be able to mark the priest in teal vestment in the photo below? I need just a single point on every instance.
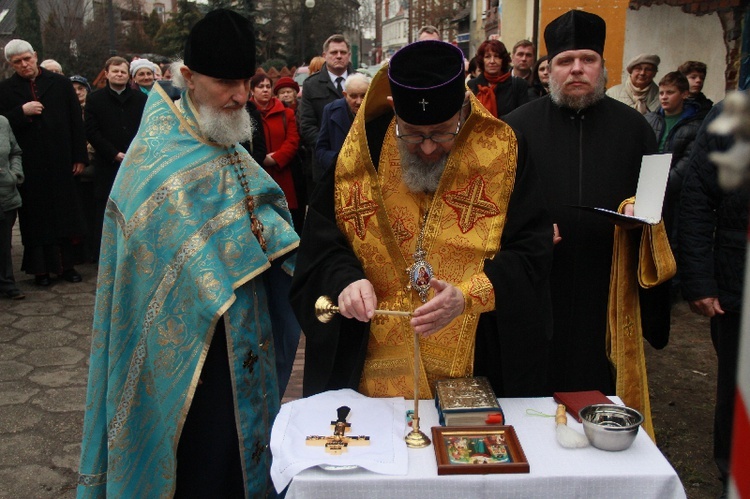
(195, 235)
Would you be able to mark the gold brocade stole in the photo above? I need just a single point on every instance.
(652, 261)
(382, 220)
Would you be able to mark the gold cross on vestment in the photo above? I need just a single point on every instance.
(471, 204)
(339, 442)
(358, 210)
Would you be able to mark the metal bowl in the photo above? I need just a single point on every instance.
(610, 427)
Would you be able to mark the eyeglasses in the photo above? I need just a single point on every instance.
(418, 138)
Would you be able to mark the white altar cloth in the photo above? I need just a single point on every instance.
(640, 471)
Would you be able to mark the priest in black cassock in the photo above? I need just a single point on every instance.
(588, 148)
(431, 208)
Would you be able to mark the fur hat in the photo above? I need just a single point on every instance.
(575, 30)
(221, 45)
(427, 82)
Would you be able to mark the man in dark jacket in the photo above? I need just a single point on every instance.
(337, 120)
(675, 124)
(45, 116)
(713, 237)
(588, 150)
(695, 72)
(322, 88)
(113, 115)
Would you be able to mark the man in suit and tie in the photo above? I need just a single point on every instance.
(320, 89)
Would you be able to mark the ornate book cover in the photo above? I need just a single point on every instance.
(466, 401)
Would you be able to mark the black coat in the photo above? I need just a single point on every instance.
(257, 147)
(510, 94)
(712, 226)
(317, 91)
(679, 142)
(51, 142)
(589, 158)
(112, 121)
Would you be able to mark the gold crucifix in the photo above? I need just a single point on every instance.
(338, 442)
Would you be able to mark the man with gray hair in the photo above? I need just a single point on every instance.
(182, 387)
(337, 119)
(52, 65)
(588, 150)
(43, 110)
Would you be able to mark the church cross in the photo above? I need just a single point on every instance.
(339, 442)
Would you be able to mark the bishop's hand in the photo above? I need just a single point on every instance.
(358, 301)
(446, 305)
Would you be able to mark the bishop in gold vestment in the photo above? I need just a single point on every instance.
(428, 187)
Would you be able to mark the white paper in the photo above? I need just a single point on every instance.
(652, 184)
(382, 419)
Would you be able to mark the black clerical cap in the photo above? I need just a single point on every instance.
(427, 82)
(221, 45)
(575, 30)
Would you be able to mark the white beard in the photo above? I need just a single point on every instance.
(417, 174)
(225, 128)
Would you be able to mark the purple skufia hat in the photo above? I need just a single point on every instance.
(427, 82)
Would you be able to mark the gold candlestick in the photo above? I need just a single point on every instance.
(416, 439)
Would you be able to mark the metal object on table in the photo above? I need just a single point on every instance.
(339, 442)
(609, 426)
(325, 310)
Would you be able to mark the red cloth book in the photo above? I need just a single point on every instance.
(575, 401)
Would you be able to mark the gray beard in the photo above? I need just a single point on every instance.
(417, 174)
(225, 128)
(578, 102)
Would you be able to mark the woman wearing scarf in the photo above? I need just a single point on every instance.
(639, 90)
(495, 88)
(142, 71)
(282, 142)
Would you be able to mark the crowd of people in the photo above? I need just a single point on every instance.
(220, 204)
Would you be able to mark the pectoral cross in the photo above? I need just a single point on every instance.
(338, 442)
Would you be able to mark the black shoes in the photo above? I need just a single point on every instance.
(15, 294)
(42, 280)
(71, 275)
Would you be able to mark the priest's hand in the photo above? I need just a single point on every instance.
(446, 305)
(629, 210)
(358, 301)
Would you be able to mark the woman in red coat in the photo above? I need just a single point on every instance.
(282, 142)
